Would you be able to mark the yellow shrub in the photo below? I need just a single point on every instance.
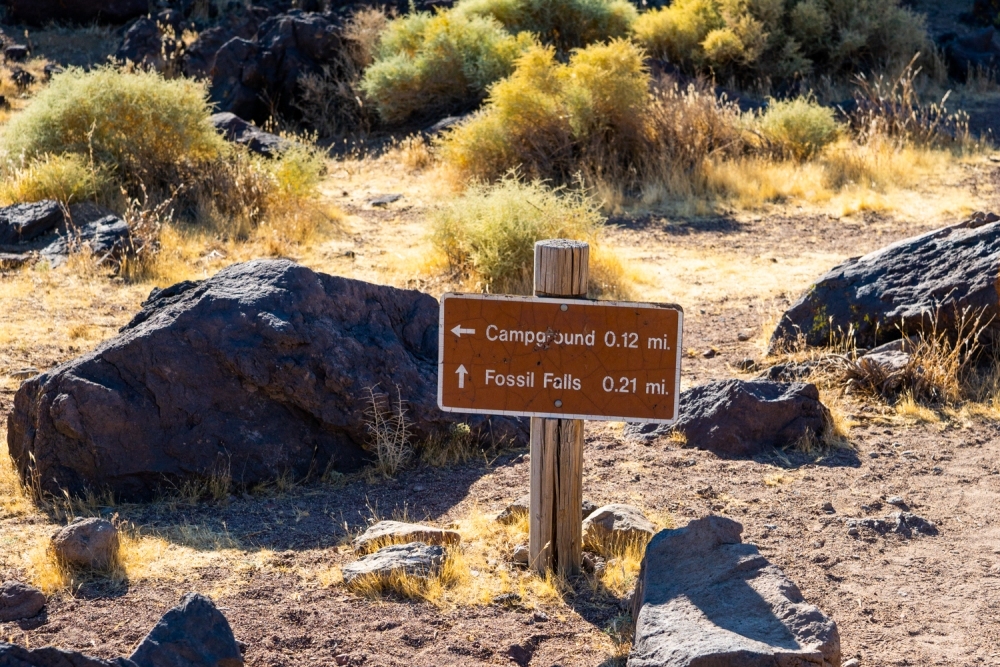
(564, 24)
(136, 124)
(799, 127)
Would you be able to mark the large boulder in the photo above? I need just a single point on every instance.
(705, 598)
(254, 76)
(967, 54)
(41, 12)
(192, 634)
(24, 222)
(902, 288)
(266, 368)
(743, 418)
(146, 45)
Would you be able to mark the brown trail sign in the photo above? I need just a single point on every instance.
(559, 359)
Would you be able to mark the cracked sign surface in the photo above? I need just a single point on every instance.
(565, 358)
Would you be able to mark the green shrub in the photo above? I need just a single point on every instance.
(547, 118)
(489, 233)
(565, 24)
(798, 127)
(750, 39)
(136, 124)
(438, 63)
(65, 178)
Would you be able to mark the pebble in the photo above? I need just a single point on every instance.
(852, 531)
(342, 659)
(539, 617)
(828, 508)
(771, 526)
(873, 455)
(895, 500)
(853, 662)
(742, 336)
(710, 353)
(521, 554)
(419, 487)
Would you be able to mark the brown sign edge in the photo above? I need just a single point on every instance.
(571, 302)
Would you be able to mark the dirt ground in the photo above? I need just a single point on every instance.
(266, 557)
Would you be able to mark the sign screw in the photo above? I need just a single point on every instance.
(564, 307)
(558, 403)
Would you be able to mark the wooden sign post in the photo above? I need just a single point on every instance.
(555, 532)
(559, 358)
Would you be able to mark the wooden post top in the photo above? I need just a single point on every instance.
(561, 268)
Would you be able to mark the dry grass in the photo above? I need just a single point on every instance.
(388, 432)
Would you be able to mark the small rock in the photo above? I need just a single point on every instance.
(87, 542)
(239, 131)
(895, 500)
(853, 531)
(592, 563)
(18, 601)
(23, 222)
(384, 200)
(540, 617)
(342, 659)
(747, 365)
(507, 599)
(17, 53)
(398, 532)
(419, 487)
(873, 455)
(853, 662)
(742, 336)
(21, 77)
(615, 525)
(521, 554)
(828, 508)
(416, 558)
(710, 353)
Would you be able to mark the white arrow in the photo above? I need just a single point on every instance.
(458, 331)
(462, 372)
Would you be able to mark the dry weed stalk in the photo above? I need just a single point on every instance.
(389, 432)
(891, 109)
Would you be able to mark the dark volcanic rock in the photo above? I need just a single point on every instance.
(23, 222)
(18, 601)
(97, 229)
(16, 53)
(146, 45)
(261, 370)
(192, 634)
(966, 54)
(250, 75)
(743, 418)
(12, 655)
(238, 131)
(40, 12)
(900, 289)
(705, 598)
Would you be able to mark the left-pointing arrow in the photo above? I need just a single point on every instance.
(458, 331)
(462, 372)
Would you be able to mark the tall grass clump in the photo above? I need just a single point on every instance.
(66, 178)
(799, 127)
(429, 64)
(564, 24)
(488, 234)
(136, 124)
(750, 40)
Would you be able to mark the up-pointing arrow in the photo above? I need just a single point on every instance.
(462, 372)
(458, 331)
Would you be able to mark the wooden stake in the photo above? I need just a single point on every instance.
(555, 519)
